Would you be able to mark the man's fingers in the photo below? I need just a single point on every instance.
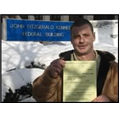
(58, 66)
(62, 58)
(62, 62)
(59, 61)
(57, 69)
(101, 98)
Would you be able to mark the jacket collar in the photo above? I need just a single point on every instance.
(103, 54)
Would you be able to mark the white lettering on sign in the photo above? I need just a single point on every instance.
(33, 26)
(31, 34)
(63, 27)
(47, 34)
(17, 26)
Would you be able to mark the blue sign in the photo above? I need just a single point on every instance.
(29, 30)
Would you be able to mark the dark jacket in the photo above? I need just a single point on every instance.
(48, 89)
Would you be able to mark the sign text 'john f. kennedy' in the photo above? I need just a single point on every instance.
(28, 30)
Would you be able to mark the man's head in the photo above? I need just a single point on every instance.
(82, 36)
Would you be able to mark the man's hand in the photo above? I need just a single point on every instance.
(56, 67)
(101, 98)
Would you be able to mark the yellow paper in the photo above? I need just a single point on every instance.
(79, 81)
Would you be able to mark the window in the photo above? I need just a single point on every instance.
(12, 16)
(55, 17)
(38, 17)
(74, 17)
(24, 16)
(104, 17)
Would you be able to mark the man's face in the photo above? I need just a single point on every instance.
(82, 39)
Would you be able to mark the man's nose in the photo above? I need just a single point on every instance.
(81, 39)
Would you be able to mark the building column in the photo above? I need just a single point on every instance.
(65, 18)
(46, 17)
(89, 17)
(31, 17)
(18, 17)
(4, 28)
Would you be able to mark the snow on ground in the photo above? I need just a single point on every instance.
(16, 56)
(20, 54)
(18, 78)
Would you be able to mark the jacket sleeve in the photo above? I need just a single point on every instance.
(45, 88)
(111, 84)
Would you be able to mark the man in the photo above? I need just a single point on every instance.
(48, 86)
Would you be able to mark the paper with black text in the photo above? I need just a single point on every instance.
(79, 81)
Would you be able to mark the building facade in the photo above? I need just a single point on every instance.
(61, 17)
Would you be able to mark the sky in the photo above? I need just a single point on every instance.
(16, 56)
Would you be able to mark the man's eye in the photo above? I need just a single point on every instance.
(86, 35)
(75, 36)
